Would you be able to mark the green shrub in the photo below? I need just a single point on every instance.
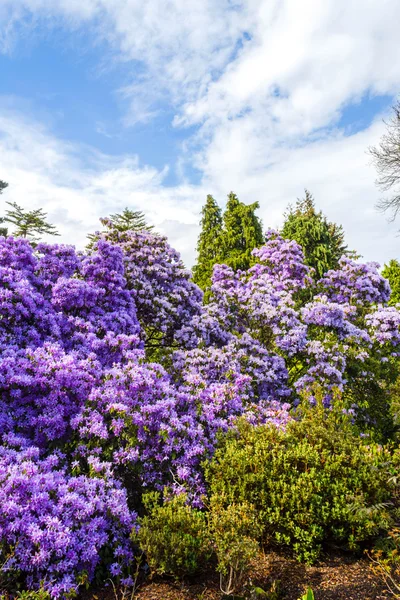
(385, 557)
(317, 482)
(234, 530)
(173, 535)
(40, 594)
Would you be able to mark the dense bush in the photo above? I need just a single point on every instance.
(173, 535)
(314, 483)
(88, 424)
(179, 539)
(234, 530)
(385, 556)
(54, 525)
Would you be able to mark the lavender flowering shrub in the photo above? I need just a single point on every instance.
(165, 297)
(53, 525)
(341, 337)
(88, 422)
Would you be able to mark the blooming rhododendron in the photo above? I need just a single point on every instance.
(88, 421)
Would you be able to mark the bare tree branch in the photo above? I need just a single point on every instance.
(386, 159)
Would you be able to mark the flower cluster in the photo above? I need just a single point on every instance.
(166, 298)
(355, 283)
(54, 525)
(87, 422)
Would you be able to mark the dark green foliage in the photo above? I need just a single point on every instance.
(369, 388)
(322, 241)
(391, 272)
(130, 220)
(29, 224)
(227, 239)
(317, 482)
(208, 243)
(173, 535)
(242, 232)
(234, 530)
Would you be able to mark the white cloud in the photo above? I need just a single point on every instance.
(264, 81)
(337, 171)
(304, 62)
(176, 46)
(45, 172)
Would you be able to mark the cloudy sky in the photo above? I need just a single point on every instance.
(153, 104)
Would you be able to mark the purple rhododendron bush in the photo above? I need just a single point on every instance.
(116, 379)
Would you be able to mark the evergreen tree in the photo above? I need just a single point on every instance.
(242, 232)
(29, 224)
(391, 272)
(227, 239)
(208, 244)
(322, 242)
(3, 186)
(130, 220)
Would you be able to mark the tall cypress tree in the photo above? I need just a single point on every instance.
(242, 232)
(322, 241)
(392, 273)
(227, 239)
(208, 244)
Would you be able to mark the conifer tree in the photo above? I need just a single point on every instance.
(391, 272)
(29, 224)
(227, 239)
(208, 244)
(322, 242)
(242, 232)
(130, 220)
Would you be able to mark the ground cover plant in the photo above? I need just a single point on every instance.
(117, 382)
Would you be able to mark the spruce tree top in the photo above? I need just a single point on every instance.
(209, 243)
(242, 233)
(228, 239)
(3, 186)
(322, 242)
(130, 220)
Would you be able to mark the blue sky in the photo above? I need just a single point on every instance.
(108, 103)
(63, 81)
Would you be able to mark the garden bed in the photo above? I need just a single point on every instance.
(336, 577)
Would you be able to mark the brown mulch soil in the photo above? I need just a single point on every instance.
(337, 577)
